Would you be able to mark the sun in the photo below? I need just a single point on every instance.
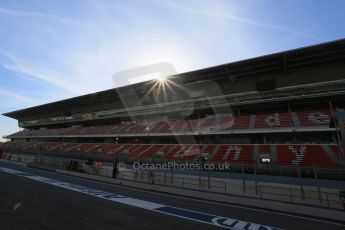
(159, 77)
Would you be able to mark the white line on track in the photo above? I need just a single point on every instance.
(203, 201)
(195, 216)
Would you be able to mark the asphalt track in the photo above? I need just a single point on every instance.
(30, 204)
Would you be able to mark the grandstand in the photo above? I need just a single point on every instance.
(275, 109)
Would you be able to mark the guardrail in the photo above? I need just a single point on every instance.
(298, 194)
(287, 193)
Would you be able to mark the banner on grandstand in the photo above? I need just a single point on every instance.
(87, 116)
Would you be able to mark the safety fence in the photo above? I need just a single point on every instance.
(298, 194)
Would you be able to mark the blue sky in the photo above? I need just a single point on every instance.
(56, 49)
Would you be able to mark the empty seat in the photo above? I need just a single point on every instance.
(314, 118)
(184, 152)
(304, 155)
(234, 154)
(233, 122)
(209, 123)
(223, 122)
(180, 126)
(273, 120)
(138, 150)
(150, 151)
(287, 154)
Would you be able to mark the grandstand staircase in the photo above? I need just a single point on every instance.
(252, 121)
(180, 126)
(200, 124)
(215, 151)
(331, 155)
(72, 148)
(202, 150)
(151, 151)
(217, 121)
(92, 148)
(58, 146)
(295, 119)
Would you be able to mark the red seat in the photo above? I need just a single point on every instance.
(304, 155)
(314, 118)
(180, 126)
(184, 152)
(273, 120)
(150, 151)
(138, 150)
(209, 123)
(337, 150)
(230, 122)
(234, 154)
(209, 149)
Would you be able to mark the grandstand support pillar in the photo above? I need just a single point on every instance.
(115, 172)
(334, 139)
(336, 125)
(330, 106)
(243, 180)
(338, 130)
(317, 184)
(300, 182)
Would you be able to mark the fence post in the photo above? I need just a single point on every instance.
(151, 176)
(165, 178)
(317, 184)
(300, 182)
(208, 181)
(256, 181)
(290, 195)
(327, 199)
(243, 180)
(109, 172)
(119, 176)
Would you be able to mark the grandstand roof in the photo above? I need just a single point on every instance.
(324, 54)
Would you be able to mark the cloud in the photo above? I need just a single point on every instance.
(15, 13)
(31, 72)
(218, 12)
(15, 97)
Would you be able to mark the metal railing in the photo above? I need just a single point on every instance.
(280, 192)
(297, 193)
